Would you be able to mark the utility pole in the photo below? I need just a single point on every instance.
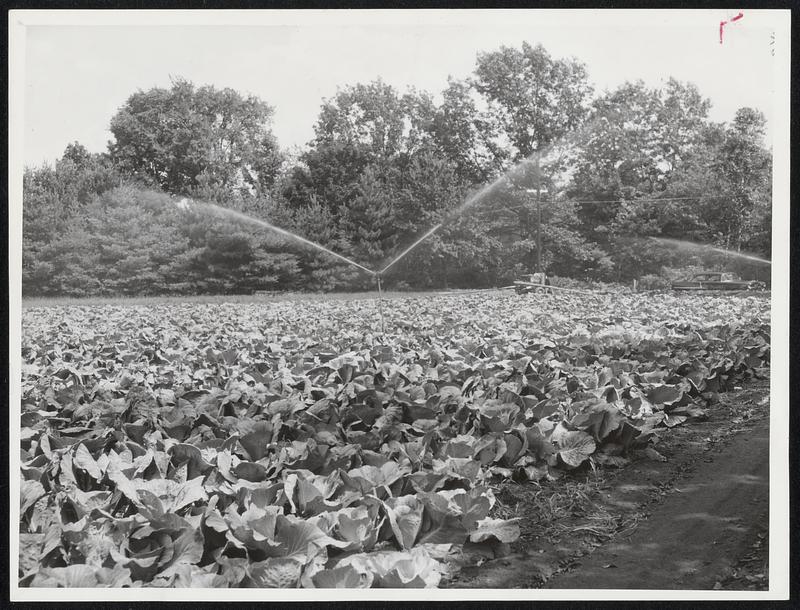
(538, 192)
(538, 231)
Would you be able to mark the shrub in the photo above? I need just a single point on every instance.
(652, 281)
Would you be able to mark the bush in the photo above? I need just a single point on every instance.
(132, 241)
(569, 282)
(673, 274)
(654, 282)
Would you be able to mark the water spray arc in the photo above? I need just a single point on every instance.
(409, 249)
(534, 162)
(470, 201)
(508, 178)
(749, 257)
(378, 274)
(285, 233)
(262, 223)
(681, 244)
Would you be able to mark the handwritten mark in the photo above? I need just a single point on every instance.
(722, 24)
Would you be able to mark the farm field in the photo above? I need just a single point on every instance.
(245, 299)
(289, 443)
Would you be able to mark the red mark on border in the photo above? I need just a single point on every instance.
(722, 24)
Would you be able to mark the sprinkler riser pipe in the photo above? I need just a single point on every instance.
(380, 302)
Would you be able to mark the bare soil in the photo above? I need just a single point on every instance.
(696, 520)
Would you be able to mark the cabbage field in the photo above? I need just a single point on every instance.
(291, 443)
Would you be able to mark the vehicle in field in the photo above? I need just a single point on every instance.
(717, 280)
(533, 282)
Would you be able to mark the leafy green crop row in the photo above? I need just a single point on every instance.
(289, 444)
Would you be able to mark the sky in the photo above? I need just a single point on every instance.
(79, 71)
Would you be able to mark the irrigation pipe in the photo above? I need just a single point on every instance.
(520, 283)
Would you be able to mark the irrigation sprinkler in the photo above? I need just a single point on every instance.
(380, 301)
(378, 274)
(321, 248)
(183, 205)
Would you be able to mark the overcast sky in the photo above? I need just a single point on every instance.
(77, 76)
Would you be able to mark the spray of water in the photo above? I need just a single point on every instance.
(682, 244)
(516, 171)
(749, 257)
(262, 223)
(411, 247)
(508, 176)
(512, 173)
(183, 204)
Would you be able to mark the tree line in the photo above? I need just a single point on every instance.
(524, 136)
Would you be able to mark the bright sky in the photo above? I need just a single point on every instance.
(77, 76)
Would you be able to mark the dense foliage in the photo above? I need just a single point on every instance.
(199, 140)
(268, 445)
(383, 167)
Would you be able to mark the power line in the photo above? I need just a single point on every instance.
(660, 199)
(644, 200)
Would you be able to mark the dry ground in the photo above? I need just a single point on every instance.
(697, 520)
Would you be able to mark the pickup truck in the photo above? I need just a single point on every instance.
(717, 280)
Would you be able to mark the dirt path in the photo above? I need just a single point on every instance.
(697, 520)
(697, 533)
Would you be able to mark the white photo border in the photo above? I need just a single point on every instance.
(778, 20)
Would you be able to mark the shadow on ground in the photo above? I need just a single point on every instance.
(696, 521)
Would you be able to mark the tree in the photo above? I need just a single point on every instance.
(190, 140)
(54, 193)
(363, 167)
(373, 116)
(631, 147)
(367, 220)
(426, 191)
(722, 188)
(743, 172)
(364, 125)
(385, 167)
(630, 159)
(533, 99)
(122, 242)
(466, 136)
(52, 197)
